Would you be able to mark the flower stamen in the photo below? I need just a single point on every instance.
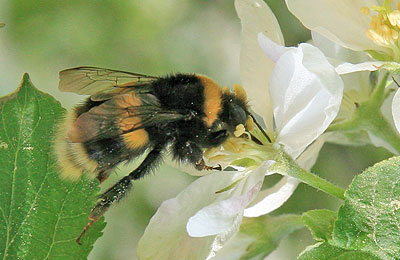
(384, 27)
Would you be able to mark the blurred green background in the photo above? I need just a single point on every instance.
(153, 37)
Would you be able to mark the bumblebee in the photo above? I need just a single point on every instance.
(129, 114)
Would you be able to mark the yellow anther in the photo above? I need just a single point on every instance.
(394, 18)
(375, 22)
(239, 130)
(375, 37)
(384, 28)
(365, 10)
(395, 35)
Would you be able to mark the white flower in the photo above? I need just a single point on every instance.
(295, 88)
(356, 25)
(396, 110)
(363, 25)
(354, 68)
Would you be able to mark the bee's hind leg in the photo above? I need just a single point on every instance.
(120, 189)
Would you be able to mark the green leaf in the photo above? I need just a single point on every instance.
(320, 222)
(2, 25)
(324, 251)
(267, 232)
(370, 218)
(40, 214)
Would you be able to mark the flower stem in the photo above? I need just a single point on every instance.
(368, 117)
(287, 166)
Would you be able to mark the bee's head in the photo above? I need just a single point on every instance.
(234, 108)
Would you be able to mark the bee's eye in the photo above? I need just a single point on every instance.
(237, 115)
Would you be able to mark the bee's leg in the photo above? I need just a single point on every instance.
(192, 153)
(103, 175)
(120, 189)
(201, 165)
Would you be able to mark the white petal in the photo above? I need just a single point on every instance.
(279, 194)
(236, 247)
(339, 20)
(344, 60)
(336, 51)
(270, 199)
(270, 48)
(255, 67)
(219, 216)
(165, 236)
(378, 142)
(396, 110)
(346, 67)
(306, 93)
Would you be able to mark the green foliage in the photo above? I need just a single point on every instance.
(370, 218)
(40, 214)
(2, 25)
(320, 222)
(367, 226)
(267, 232)
(325, 251)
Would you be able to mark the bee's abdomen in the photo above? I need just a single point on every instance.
(99, 156)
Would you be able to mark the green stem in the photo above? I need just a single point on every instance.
(368, 117)
(286, 166)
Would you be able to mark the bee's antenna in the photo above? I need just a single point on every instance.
(259, 127)
(395, 81)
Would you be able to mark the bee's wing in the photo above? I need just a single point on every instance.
(92, 80)
(121, 115)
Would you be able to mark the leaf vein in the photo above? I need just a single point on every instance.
(58, 220)
(13, 177)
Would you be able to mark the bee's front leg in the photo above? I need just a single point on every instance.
(201, 165)
(190, 152)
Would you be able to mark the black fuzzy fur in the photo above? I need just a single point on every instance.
(183, 92)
